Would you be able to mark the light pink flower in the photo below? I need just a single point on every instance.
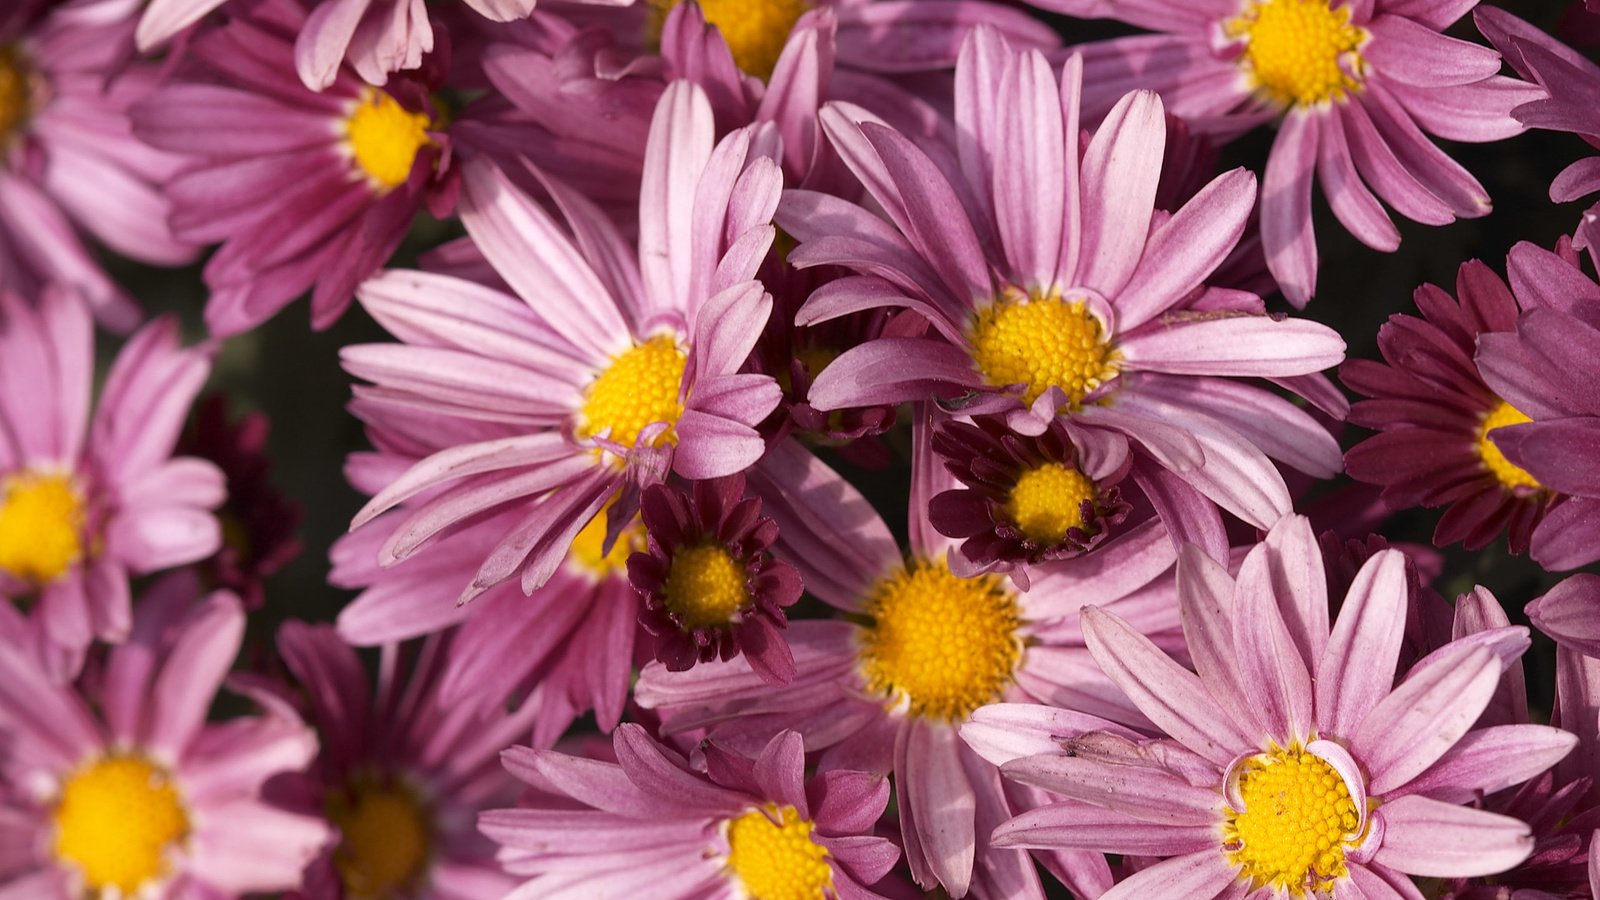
(1297, 760)
(127, 792)
(89, 498)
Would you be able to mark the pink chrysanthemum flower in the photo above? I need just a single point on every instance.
(69, 162)
(886, 686)
(403, 773)
(88, 499)
(148, 801)
(1358, 84)
(304, 190)
(1296, 764)
(1054, 287)
(607, 371)
(650, 825)
(1438, 421)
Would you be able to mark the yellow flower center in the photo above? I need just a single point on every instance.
(944, 643)
(116, 820)
(755, 30)
(1504, 470)
(772, 854)
(384, 835)
(1294, 48)
(16, 93)
(705, 585)
(385, 137)
(638, 388)
(1047, 501)
(585, 553)
(1041, 342)
(1297, 816)
(41, 526)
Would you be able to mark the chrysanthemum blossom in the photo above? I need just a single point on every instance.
(612, 366)
(89, 498)
(402, 773)
(305, 191)
(70, 165)
(1055, 288)
(1357, 85)
(149, 801)
(650, 825)
(1438, 421)
(1296, 761)
(886, 686)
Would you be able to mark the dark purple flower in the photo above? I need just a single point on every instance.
(711, 587)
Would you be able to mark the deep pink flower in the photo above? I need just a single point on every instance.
(89, 498)
(127, 792)
(612, 366)
(1358, 85)
(305, 191)
(1297, 760)
(650, 825)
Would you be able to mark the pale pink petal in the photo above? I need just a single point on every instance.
(1439, 840)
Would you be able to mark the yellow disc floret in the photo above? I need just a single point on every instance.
(638, 388)
(1299, 51)
(1297, 817)
(1039, 343)
(41, 526)
(755, 30)
(116, 820)
(1047, 501)
(1504, 470)
(385, 137)
(16, 93)
(773, 856)
(383, 836)
(705, 585)
(586, 553)
(944, 644)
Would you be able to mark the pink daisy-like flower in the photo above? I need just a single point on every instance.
(1358, 84)
(711, 587)
(606, 371)
(403, 773)
(886, 687)
(1296, 764)
(86, 499)
(149, 801)
(69, 162)
(1435, 414)
(304, 190)
(1055, 288)
(650, 825)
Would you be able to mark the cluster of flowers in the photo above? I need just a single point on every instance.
(710, 254)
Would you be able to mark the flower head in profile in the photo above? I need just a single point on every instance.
(1357, 86)
(1295, 760)
(126, 791)
(742, 827)
(91, 495)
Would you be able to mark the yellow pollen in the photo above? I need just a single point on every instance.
(385, 137)
(1504, 470)
(638, 388)
(755, 30)
(772, 854)
(1294, 48)
(41, 526)
(1041, 342)
(1297, 817)
(116, 821)
(945, 643)
(585, 553)
(705, 585)
(1047, 501)
(16, 93)
(384, 836)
